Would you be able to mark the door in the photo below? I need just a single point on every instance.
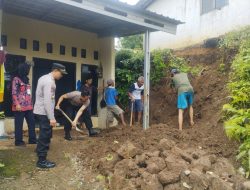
(86, 71)
(64, 85)
(11, 64)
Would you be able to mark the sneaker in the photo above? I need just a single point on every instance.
(45, 164)
(92, 132)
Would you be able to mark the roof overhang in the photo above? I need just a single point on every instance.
(103, 17)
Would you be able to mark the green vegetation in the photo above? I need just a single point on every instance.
(237, 111)
(13, 162)
(132, 42)
(129, 66)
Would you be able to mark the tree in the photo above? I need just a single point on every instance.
(132, 42)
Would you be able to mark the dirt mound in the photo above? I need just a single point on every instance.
(158, 159)
(163, 158)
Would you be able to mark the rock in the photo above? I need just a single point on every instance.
(121, 183)
(106, 166)
(195, 156)
(140, 160)
(187, 172)
(155, 153)
(150, 182)
(246, 185)
(169, 176)
(203, 163)
(126, 168)
(219, 184)
(186, 157)
(128, 150)
(196, 179)
(175, 186)
(223, 167)
(155, 165)
(173, 162)
(166, 144)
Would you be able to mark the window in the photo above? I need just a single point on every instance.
(35, 45)
(74, 51)
(49, 48)
(83, 53)
(210, 5)
(4, 40)
(23, 43)
(62, 50)
(96, 56)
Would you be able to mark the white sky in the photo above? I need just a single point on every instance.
(131, 2)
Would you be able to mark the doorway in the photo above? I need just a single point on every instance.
(64, 85)
(90, 70)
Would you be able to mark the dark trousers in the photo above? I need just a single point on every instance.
(19, 118)
(45, 134)
(71, 111)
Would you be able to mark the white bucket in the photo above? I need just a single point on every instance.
(2, 129)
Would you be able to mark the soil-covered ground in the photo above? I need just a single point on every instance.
(160, 158)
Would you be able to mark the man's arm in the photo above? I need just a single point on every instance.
(60, 101)
(78, 115)
(48, 104)
(130, 91)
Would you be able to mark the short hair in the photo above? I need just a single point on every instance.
(88, 77)
(110, 81)
(85, 93)
(141, 79)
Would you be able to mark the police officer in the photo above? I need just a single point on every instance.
(72, 102)
(44, 112)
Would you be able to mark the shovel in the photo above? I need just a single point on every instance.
(78, 128)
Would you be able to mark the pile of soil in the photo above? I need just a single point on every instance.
(162, 157)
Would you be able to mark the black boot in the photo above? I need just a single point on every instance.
(92, 132)
(68, 136)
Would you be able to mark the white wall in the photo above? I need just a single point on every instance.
(198, 27)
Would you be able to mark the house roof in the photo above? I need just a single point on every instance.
(143, 4)
(103, 17)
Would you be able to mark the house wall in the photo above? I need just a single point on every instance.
(198, 27)
(16, 27)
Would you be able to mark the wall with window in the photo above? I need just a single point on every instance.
(33, 38)
(203, 19)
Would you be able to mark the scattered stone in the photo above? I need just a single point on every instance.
(128, 150)
(150, 182)
(186, 185)
(155, 165)
(166, 144)
(169, 176)
(187, 172)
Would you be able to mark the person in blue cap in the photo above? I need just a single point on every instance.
(185, 99)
